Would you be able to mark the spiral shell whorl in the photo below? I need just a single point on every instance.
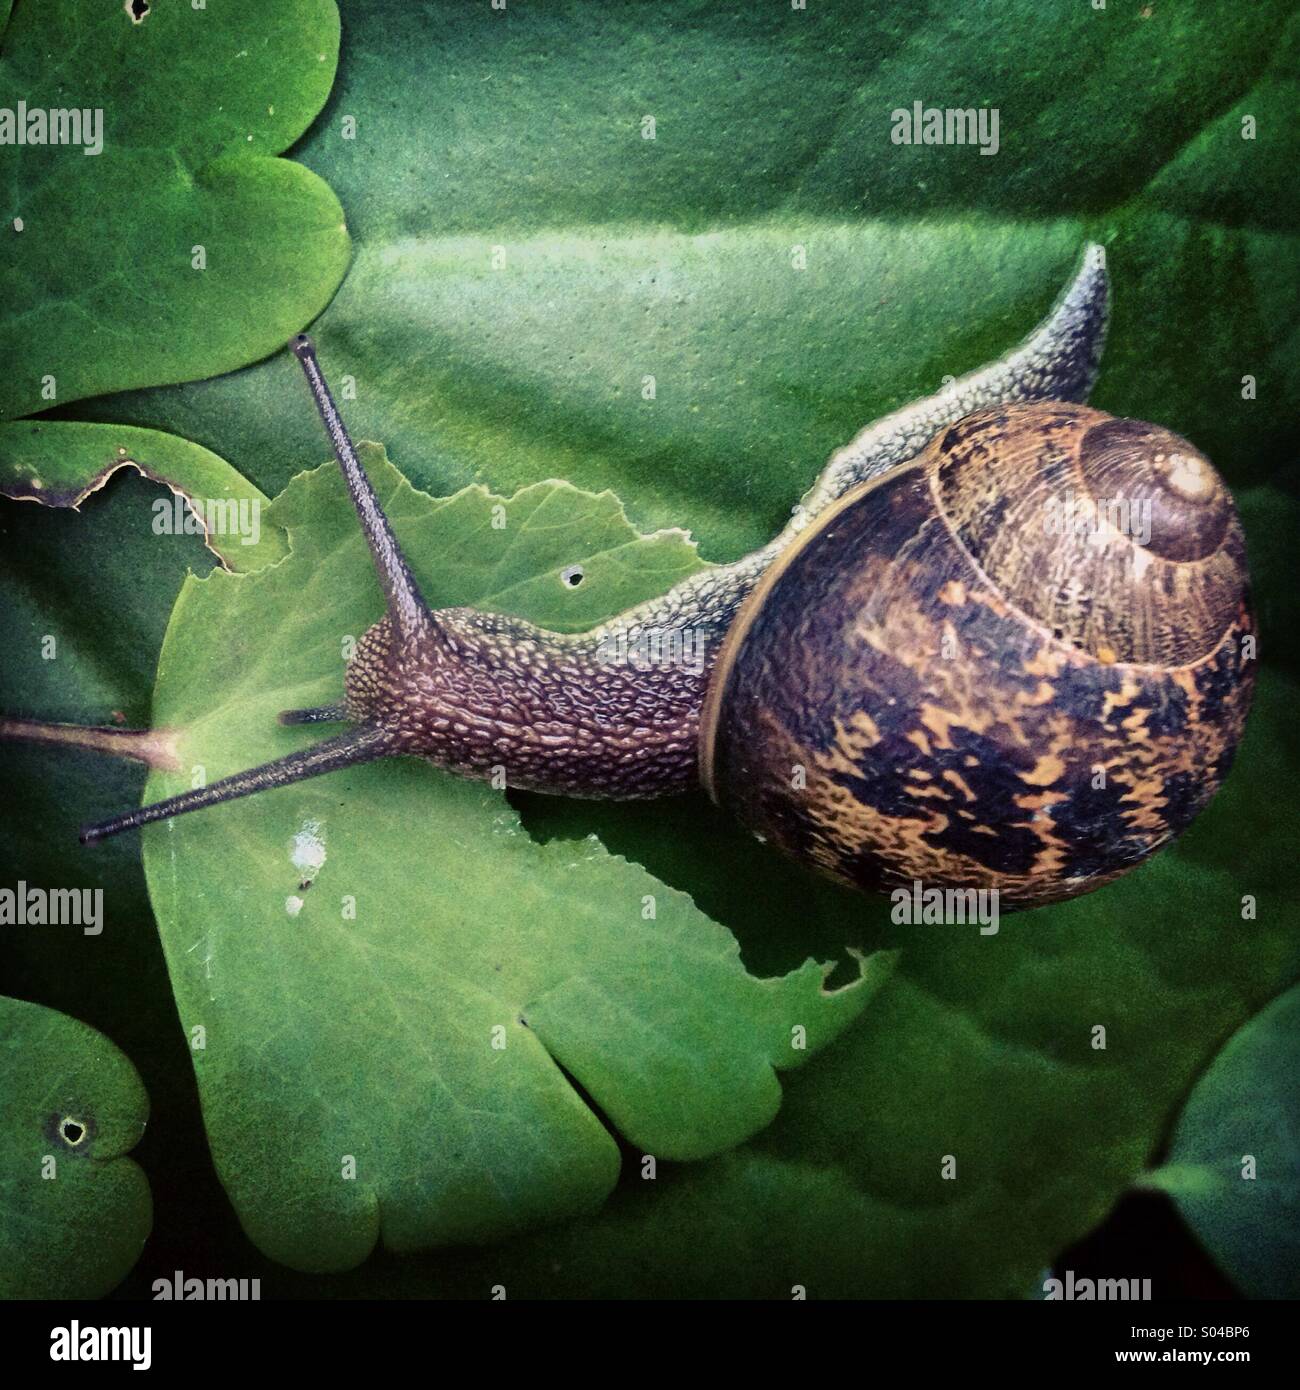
(1117, 536)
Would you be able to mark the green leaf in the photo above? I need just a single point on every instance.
(526, 259)
(74, 1210)
(101, 284)
(395, 982)
(60, 463)
(509, 557)
(1243, 1112)
(1214, 179)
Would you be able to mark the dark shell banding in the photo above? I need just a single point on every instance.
(887, 711)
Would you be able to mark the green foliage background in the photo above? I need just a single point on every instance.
(522, 130)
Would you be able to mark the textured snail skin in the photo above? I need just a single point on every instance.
(476, 691)
(931, 685)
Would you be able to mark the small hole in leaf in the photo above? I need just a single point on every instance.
(71, 1131)
(137, 9)
(572, 576)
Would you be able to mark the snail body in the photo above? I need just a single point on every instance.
(914, 680)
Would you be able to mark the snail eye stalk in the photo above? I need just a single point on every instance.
(406, 609)
(360, 745)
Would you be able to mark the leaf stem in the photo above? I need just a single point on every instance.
(154, 747)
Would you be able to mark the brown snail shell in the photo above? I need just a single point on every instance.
(937, 683)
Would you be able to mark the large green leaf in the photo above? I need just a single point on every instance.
(74, 1210)
(391, 978)
(1234, 1165)
(525, 259)
(180, 247)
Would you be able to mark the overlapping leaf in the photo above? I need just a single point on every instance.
(1234, 1165)
(391, 977)
(166, 242)
(74, 1209)
(60, 463)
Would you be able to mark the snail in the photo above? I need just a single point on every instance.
(921, 678)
